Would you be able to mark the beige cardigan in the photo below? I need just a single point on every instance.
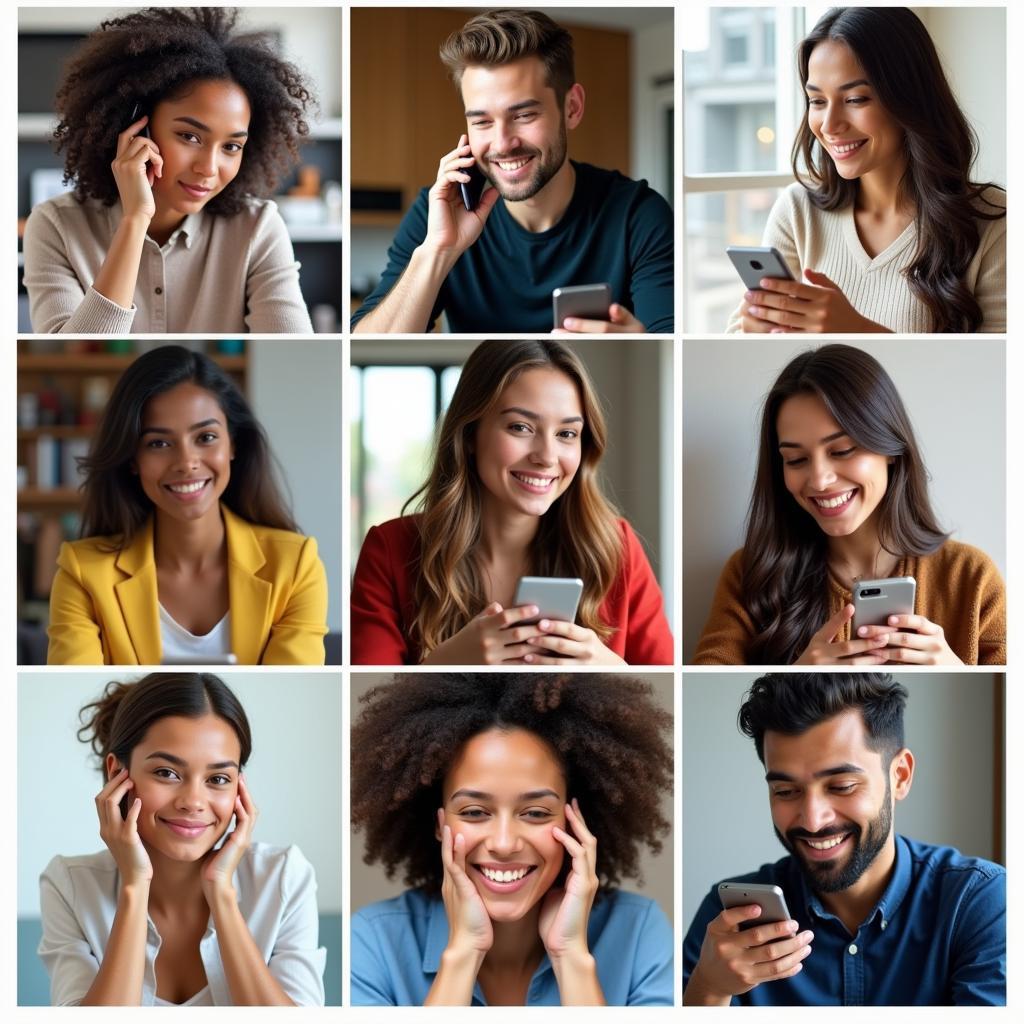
(214, 275)
(827, 241)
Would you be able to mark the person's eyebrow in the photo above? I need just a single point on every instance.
(476, 794)
(203, 128)
(839, 769)
(848, 85)
(195, 426)
(162, 755)
(533, 416)
(514, 109)
(825, 440)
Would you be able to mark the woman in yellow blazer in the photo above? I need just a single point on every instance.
(189, 552)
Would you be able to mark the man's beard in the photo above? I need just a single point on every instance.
(543, 169)
(830, 876)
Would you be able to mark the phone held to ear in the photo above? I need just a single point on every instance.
(769, 898)
(586, 301)
(875, 600)
(557, 597)
(473, 189)
(752, 262)
(137, 112)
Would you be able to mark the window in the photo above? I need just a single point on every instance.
(393, 412)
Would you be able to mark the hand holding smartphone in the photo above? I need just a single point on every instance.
(770, 898)
(585, 301)
(556, 597)
(753, 262)
(875, 600)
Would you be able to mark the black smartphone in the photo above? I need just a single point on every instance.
(473, 189)
(137, 112)
(586, 301)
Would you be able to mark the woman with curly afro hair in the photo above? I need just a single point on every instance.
(172, 125)
(513, 804)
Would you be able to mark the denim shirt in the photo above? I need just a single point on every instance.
(397, 946)
(936, 937)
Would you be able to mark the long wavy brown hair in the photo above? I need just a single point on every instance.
(899, 57)
(577, 536)
(785, 553)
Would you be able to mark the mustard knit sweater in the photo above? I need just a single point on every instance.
(827, 241)
(958, 588)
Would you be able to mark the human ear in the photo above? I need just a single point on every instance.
(901, 773)
(575, 101)
(112, 766)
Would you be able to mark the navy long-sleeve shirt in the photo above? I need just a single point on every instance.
(936, 937)
(614, 230)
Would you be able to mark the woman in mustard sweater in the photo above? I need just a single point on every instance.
(840, 495)
(190, 554)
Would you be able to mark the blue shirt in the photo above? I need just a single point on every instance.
(936, 937)
(614, 230)
(397, 946)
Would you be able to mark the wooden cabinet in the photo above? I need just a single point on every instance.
(406, 113)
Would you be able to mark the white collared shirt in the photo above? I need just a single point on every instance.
(276, 890)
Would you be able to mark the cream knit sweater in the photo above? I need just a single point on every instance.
(827, 241)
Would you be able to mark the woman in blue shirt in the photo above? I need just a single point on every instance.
(539, 791)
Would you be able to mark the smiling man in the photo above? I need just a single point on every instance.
(542, 221)
(878, 919)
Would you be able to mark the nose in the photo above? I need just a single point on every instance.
(506, 141)
(205, 162)
(190, 795)
(188, 457)
(822, 475)
(834, 120)
(544, 452)
(816, 812)
(504, 840)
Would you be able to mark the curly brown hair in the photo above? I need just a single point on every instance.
(611, 737)
(156, 54)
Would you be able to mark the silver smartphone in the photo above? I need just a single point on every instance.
(769, 898)
(199, 659)
(752, 262)
(875, 600)
(586, 301)
(557, 597)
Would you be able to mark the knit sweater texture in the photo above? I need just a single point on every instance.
(958, 588)
(827, 241)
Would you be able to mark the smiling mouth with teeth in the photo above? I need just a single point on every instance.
(842, 148)
(512, 165)
(826, 844)
(504, 876)
(189, 488)
(837, 502)
(534, 481)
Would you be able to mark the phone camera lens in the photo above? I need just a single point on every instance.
(757, 265)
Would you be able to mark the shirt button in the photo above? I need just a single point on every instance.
(884, 923)
(159, 291)
(853, 949)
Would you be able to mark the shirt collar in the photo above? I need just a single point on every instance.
(188, 229)
(888, 903)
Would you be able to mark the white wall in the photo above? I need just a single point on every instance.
(653, 55)
(727, 826)
(295, 391)
(953, 391)
(311, 37)
(294, 772)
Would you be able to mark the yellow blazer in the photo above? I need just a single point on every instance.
(104, 605)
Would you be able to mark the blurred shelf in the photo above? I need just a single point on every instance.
(104, 362)
(59, 431)
(314, 232)
(36, 127)
(60, 496)
(376, 218)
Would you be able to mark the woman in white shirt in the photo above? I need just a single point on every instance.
(178, 910)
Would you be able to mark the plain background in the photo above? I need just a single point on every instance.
(953, 391)
(950, 724)
(294, 772)
(634, 382)
(369, 883)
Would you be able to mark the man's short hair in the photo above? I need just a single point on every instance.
(792, 703)
(500, 37)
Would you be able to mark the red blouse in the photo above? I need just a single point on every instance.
(382, 604)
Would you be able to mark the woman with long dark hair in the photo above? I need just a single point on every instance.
(180, 908)
(841, 494)
(513, 805)
(884, 229)
(175, 127)
(513, 491)
(189, 550)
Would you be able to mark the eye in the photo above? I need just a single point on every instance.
(857, 100)
(783, 794)
(538, 814)
(847, 787)
(519, 428)
(221, 780)
(157, 442)
(815, 101)
(797, 461)
(233, 147)
(526, 116)
(473, 813)
(843, 453)
(165, 773)
(569, 434)
(208, 437)
(188, 137)
(481, 124)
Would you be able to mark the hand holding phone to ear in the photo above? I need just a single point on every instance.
(220, 865)
(120, 832)
(136, 165)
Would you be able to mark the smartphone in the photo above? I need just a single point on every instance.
(557, 597)
(137, 112)
(752, 262)
(473, 189)
(875, 600)
(769, 898)
(587, 301)
(195, 659)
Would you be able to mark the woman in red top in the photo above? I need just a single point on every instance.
(513, 491)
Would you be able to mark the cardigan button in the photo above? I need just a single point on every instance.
(158, 290)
